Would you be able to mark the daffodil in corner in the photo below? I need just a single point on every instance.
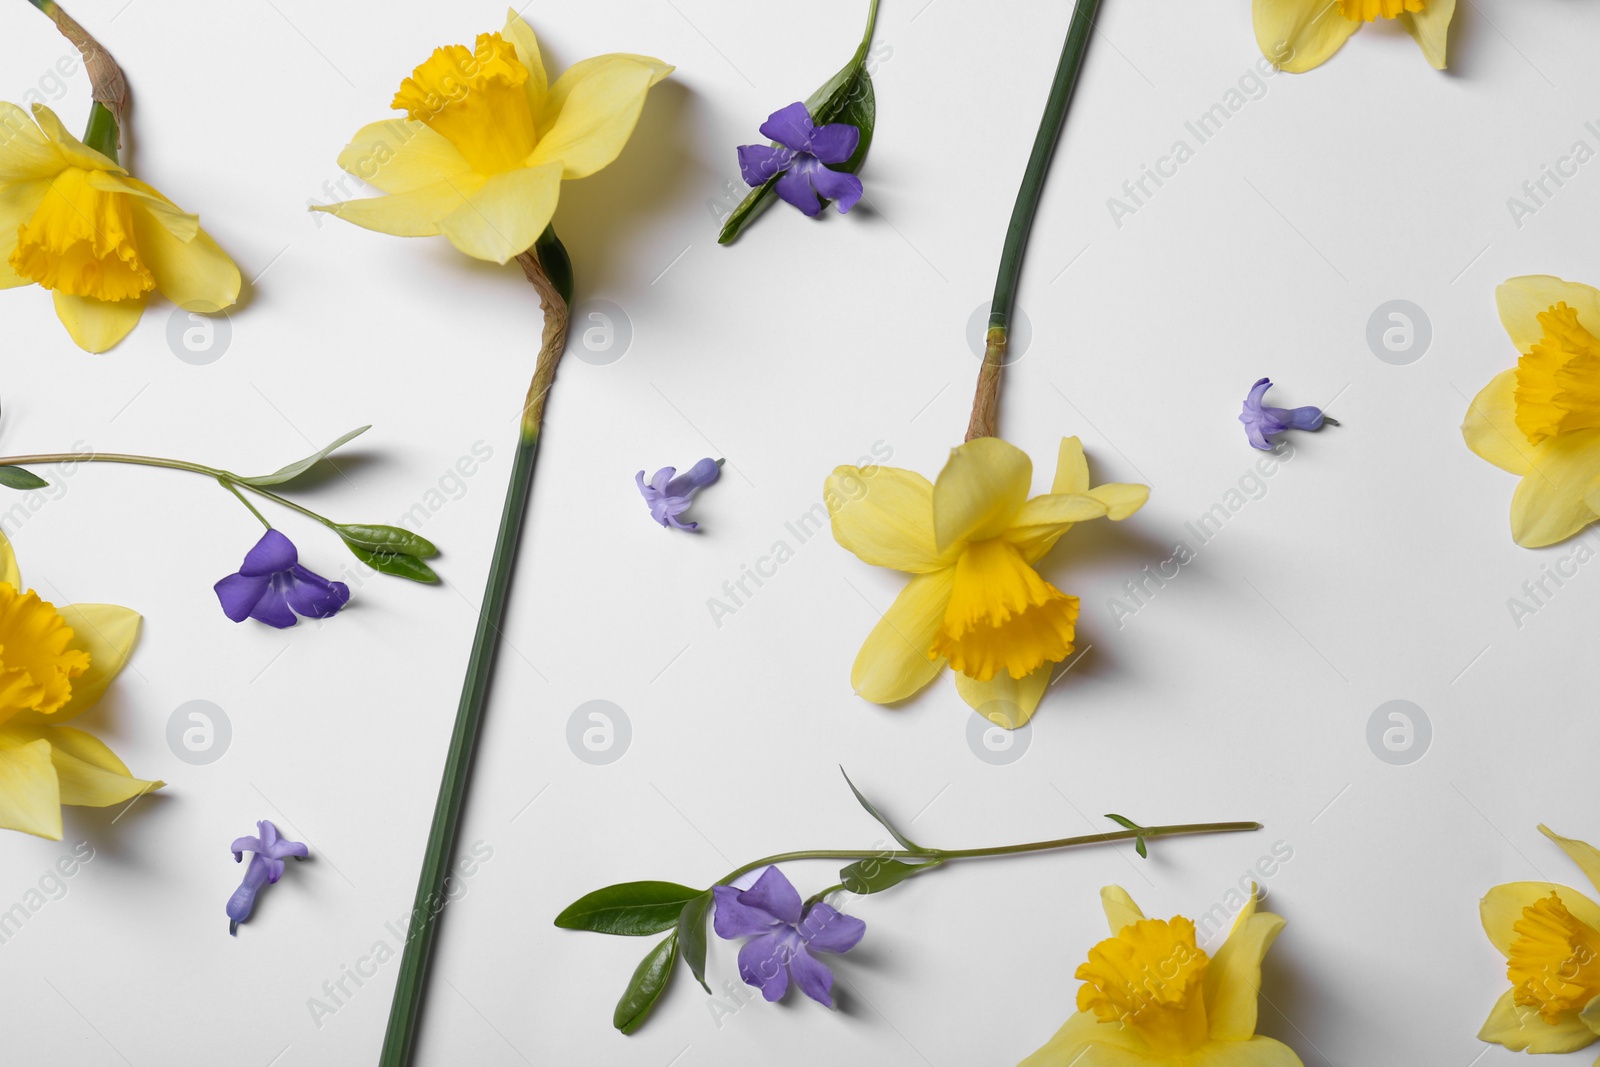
(76, 223)
(970, 540)
(1298, 35)
(487, 141)
(1151, 997)
(1541, 419)
(55, 663)
(1550, 937)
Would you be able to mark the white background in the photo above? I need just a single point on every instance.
(1377, 565)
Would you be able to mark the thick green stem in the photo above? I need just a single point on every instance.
(986, 402)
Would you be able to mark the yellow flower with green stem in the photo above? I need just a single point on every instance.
(1151, 997)
(1541, 419)
(55, 664)
(1550, 937)
(1298, 35)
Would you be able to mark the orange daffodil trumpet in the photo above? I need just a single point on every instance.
(971, 540)
(1550, 937)
(55, 663)
(1151, 997)
(487, 141)
(1298, 35)
(1541, 418)
(76, 223)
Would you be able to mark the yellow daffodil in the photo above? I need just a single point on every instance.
(971, 540)
(1151, 997)
(54, 664)
(76, 223)
(1550, 937)
(488, 140)
(1541, 419)
(1298, 35)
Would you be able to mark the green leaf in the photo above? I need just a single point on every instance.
(874, 876)
(385, 539)
(632, 909)
(18, 478)
(692, 936)
(1141, 848)
(394, 563)
(1124, 822)
(649, 979)
(882, 819)
(299, 467)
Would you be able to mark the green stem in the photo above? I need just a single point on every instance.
(866, 38)
(230, 487)
(102, 133)
(985, 404)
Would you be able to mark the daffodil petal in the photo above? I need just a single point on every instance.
(68, 147)
(1521, 300)
(89, 774)
(1254, 1052)
(1585, 855)
(1502, 906)
(504, 217)
(1121, 911)
(1072, 468)
(178, 222)
(1085, 1041)
(978, 494)
(1430, 27)
(26, 154)
(1590, 1015)
(399, 155)
(108, 634)
(413, 213)
(1121, 498)
(1044, 519)
(196, 274)
(10, 573)
(1520, 1029)
(18, 202)
(97, 325)
(885, 516)
(893, 662)
(1550, 503)
(595, 106)
(1297, 35)
(1233, 978)
(1490, 428)
(1004, 700)
(526, 43)
(30, 799)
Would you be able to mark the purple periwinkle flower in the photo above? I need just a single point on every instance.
(801, 151)
(268, 851)
(1262, 423)
(272, 587)
(670, 493)
(784, 936)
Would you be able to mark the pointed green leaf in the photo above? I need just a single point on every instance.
(632, 909)
(394, 563)
(649, 979)
(1124, 822)
(18, 478)
(882, 819)
(874, 876)
(692, 936)
(299, 467)
(1141, 848)
(379, 538)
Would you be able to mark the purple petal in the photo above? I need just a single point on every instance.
(672, 520)
(1252, 430)
(763, 962)
(273, 608)
(244, 844)
(837, 185)
(826, 929)
(659, 480)
(773, 894)
(273, 553)
(835, 142)
(274, 868)
(1257, 393)
(812, 976)
(239, 594)
(284, 848)
(760, 163)
(795, 188)
(790, 127)
(645, 490)
(698, 476)
(734, 918)
(314, 596)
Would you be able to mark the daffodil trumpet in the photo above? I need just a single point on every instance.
(638, 909)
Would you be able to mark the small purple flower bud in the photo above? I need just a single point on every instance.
(669, 493)
(1262, 423)
(268, 851)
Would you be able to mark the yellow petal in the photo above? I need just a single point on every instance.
(1121, 498)
(1121, 911)
(18, 202)
(1297, 35)
(1004, 700)
(178, 222)
(885, 516)
(522, 38)
(893, 662)
(1585, 855)
(10, 573)
(591, 111)
(1520, 301)
(197, 275)
(505, 216)
(1072, 469)
(1521, 1029)
(30, 800)
(978, 494)
(1490, 428)
(1430, 27)
(1042, 520)
(69, 148)
(1590, 1015)
(1233, 979)
(90, 774)
(97, 325)
(1085, 1041)
(399, 155)
(1256, 1052)
(1550, 502)
(413, 213)
(1502, 906)
(107, 633)
(26, 154)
